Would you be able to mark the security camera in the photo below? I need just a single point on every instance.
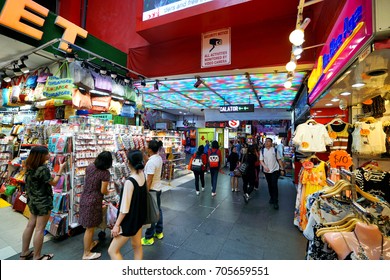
(214, 42)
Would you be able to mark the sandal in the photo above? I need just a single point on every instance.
(94, 244)
(29, 256)
(46, 257)
(93, 256)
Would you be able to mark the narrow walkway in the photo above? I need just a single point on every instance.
(206, 228)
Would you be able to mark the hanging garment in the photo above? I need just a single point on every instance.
(374, 181)
(311, 138)
(368, 138)
(339, 133)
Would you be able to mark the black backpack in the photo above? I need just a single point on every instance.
(197, 163)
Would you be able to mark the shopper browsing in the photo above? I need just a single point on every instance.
(97, 177)
(273, 167)
(153, 179)
(39, 192)
(132, 210)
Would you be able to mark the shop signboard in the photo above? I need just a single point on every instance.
(215, 124)
(242, 108)
(353, 29)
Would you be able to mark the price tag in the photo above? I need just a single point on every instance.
(340, 158)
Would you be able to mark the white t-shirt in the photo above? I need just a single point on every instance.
(154, 166)
(269, 159)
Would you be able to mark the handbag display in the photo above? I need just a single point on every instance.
(81, 101)
(59, 88)
(103, 83)
(152, 211)
(82, 77)
(42, 77)
(101, 103)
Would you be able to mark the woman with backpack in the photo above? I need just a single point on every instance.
(197, 165)
(215, 157)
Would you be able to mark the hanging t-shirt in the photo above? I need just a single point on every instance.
(340, 135)
(368, 138)
(311, 138)
(374, 181)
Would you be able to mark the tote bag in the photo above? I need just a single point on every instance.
(152, 211)
(59, 88)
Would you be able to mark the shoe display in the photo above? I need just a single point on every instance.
(159, 235)
(147, 242)
(197, 192)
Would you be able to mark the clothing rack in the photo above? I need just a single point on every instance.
(334, 116)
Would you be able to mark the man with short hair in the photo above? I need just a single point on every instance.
(273, 167)
(152, 172)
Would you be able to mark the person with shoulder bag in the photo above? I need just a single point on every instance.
(198, 163)
(273, 167)
(132, 210)
(215, 157)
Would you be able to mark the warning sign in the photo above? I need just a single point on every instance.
(216, 48)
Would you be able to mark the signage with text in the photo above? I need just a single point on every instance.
(216, 48)
(234, 123)
(237, 108)
(17, 15)
(350, 33)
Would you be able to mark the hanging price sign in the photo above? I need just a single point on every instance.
(340, 158)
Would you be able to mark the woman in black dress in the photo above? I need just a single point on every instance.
(132, 210)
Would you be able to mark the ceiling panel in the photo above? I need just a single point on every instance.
(216, 91)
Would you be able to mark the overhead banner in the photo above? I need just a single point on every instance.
(237, 108)
(154, 9)
(216, 48)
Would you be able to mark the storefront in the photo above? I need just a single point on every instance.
(344, 142)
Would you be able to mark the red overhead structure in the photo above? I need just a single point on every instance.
(171, 44)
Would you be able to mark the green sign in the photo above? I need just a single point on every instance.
(237, 108)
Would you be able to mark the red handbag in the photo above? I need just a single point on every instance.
(19, 205)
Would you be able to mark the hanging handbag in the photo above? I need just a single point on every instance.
(20, 202)
(59, 88)
(81, 101)
(130, 94)
(42, 77)
(101, 103)
(103, 83)
(81, 76)
(152, 211)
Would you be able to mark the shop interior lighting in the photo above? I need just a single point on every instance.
(358, 85)
(288, 83)
(198, 82)
(335, 99)
(22, 65)
(16, 69)
(297, 50)
(329, 104)
(345, 93)
(103, 70)
(113, 74)
(292, 65)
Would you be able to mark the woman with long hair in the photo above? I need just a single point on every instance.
(97, 177)
(199, 167)
(233, 160)
(132, 210)
(39, 192)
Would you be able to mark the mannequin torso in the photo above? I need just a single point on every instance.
(365, 242)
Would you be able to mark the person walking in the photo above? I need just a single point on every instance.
(273, 167)
(198, 163)
(152, 171)
(249, 177)
(97, 177)
(257, 166)
(215, 157)
(132, 210)
(233, 160)
(39, 192)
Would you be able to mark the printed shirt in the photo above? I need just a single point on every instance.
(339, 134)
(154, 166)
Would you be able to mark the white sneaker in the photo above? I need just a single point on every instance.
(197, 192)
(202, 189)
(213, 194)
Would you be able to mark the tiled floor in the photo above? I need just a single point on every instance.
(195, 227)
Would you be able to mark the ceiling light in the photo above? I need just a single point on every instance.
(297, 50)
(335, 99)
(329, 104)
(113, 75)
(17, 70)
(7, 79)
(127, 80)
(297, 37)
(291, 66)
(198, 82)
(70, 57)
(319, 111)
(287, 84)
(103, 70)
(345, 93)
(22, 65)
(358, 85)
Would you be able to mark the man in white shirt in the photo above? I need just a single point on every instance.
(152, 172)
(272, 163)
